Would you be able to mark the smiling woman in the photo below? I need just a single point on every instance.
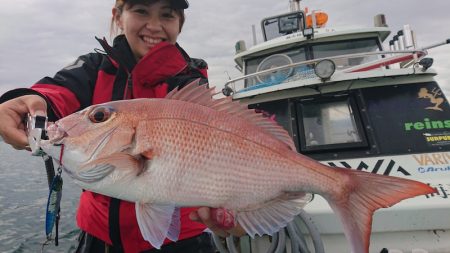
(146, 24)
(44, 46)
(136, 66)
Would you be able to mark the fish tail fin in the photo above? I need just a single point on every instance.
(364, 193)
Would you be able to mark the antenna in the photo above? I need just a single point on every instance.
(295, 5)
(254, 35)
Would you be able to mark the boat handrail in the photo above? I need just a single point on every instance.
(408, 57)
(414, 54)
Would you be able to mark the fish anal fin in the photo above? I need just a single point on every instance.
(270, 217)
(201, 94)
(157, 222)
(368, 193)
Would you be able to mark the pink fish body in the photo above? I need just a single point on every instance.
(191, 150)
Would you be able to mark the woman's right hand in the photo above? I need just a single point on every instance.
(12, 115)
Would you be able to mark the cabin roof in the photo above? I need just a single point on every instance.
(320, 35)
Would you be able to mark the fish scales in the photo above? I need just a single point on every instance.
(191, 150)
(202, 155)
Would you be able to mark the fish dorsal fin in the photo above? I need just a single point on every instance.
(201, 94)
(271, 216)
(193, 92)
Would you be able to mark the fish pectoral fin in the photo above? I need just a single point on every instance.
(270, 217)
(97, 169)
(158, 222)
(175, 226)
(95, 173)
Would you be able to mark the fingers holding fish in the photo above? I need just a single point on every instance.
(12, 113)
(221, 221)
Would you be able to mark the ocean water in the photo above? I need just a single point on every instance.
(23, 200)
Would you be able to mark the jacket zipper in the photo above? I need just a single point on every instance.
(129, 88)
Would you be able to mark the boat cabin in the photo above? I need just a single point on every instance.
(348, 102)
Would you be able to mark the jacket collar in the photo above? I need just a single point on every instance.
(120, 53)
(162, 61)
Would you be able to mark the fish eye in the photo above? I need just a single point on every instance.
(100, 114)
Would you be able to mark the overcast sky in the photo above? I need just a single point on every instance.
(39, 37)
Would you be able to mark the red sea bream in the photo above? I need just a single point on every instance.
(191, 150)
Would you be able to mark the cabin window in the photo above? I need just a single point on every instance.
(329, 124)
(278, 26)
(347, 47)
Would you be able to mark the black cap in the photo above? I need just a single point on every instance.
(179, 4)
(175, 4)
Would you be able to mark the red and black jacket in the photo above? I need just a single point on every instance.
(114, 75)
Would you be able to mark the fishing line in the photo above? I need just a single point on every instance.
(53, 211)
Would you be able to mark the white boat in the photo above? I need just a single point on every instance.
(349, 102)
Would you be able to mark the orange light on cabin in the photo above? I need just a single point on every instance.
(321, 19)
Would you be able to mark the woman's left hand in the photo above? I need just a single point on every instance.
(220, 221)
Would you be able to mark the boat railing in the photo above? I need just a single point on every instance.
(305, 70)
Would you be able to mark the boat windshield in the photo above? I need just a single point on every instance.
(271, 61)
(347, 47)
(304, 53)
